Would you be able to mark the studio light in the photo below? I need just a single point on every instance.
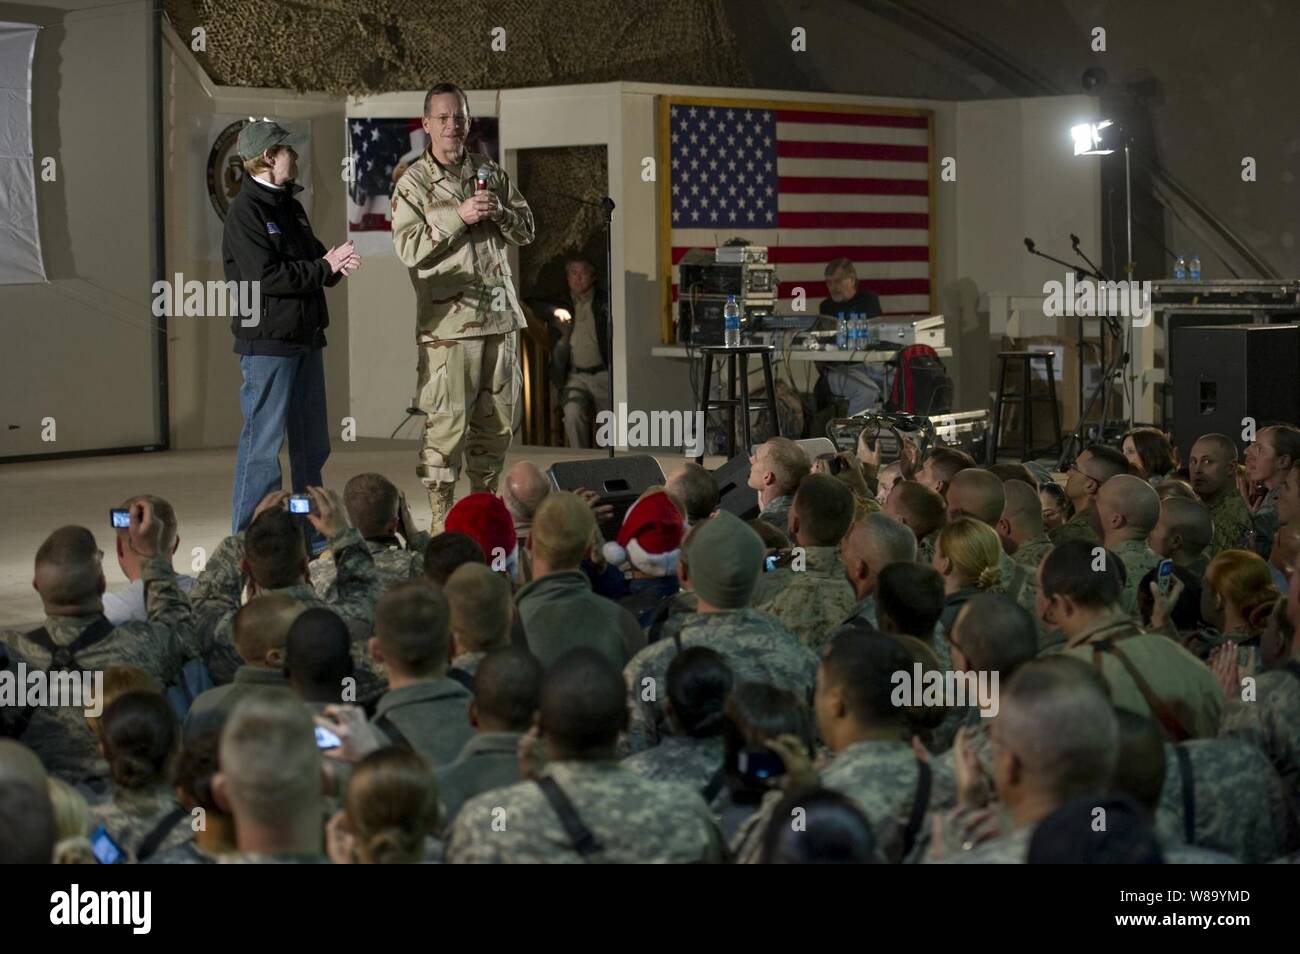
(1094, 139)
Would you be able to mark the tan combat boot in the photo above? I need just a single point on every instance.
(441, 497)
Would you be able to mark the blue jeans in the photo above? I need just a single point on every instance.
(862, 385)
(280, 396)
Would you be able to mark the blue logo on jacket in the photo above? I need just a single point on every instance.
(272, 229)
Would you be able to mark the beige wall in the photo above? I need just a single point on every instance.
(79, 348)
(204, 371)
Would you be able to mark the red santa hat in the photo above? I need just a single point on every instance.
(650, 537)
(484, 518)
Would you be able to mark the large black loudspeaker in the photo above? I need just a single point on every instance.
(734, 493)
(618, 480)
(1227, 373)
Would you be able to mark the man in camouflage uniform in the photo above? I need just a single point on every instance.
(1021, 525)
(1238, 804)
(629, 819)
(1128, 509)
(1171, 684)
(1269, 458)
(1182, 534)
(70, 580)
(775, 470)
(453, 238)
(1055, 738)
(873, 542)
(921, 510)
(277, 563)
(811, 595)
(873, 762)
(1095, 465)
(378, 511)
(721, 562)
(1213, 469)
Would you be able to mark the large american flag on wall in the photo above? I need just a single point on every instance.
(810, 181)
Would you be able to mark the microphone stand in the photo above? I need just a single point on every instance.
(606, 205)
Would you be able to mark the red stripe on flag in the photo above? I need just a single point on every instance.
(852, 220)
(832, 185)
(886, 151)
(851, 119)
(821, 254)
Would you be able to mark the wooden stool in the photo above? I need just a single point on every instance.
(1026, 400)
(737, 371)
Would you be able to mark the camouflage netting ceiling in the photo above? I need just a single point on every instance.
(379, 46)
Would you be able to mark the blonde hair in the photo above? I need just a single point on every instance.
(1243, 579)
(71, 823)
(258, 164)
(392, 806)
(563, 529)
(974, 550)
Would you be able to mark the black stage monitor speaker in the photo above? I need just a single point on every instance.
(734, 493)
(619, 481)
(1227, 373)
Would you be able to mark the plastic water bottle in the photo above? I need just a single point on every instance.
(731, 323)
(1180, 268)
(842, 333)
(856, 337)
(1194, 268)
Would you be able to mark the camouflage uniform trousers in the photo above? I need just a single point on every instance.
(468, 389)
(1239, 803)
(635, 820)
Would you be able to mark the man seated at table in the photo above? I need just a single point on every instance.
(860, 384)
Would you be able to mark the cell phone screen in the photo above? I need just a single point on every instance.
(104, 848)
(325, 739)
(1165, 576)
(120, 518)
(300, 503)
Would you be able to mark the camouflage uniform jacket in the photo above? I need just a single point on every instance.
(1232, 521)
(393, 562)
(489, 760)
(284, 858)
(159, 647)
(130, 816)
(756, 646)
(1078, 527)
(186, 853)
(811, 602)
(1030, 553)
(777, 512)
(1014, 582)
(881, 776)
(1272, 722)
(1181, 681)
(1139, 560)
(681, 759)
(1009, 849)
(1265, 521)
(457, 269)
(634, 819)
(670, 612)
(1239, 805)
(218, 592)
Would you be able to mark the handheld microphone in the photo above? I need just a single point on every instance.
(1029, 244)
(481, 178)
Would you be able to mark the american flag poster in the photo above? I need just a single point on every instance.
(812, 182)
(382, 148)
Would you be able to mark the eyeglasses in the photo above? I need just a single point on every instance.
(460, 119)
(1074, 466)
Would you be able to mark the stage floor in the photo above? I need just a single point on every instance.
(44, 495)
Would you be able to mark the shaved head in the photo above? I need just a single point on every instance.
(1128, 503)
(1023, 510)
(69, 569)
(1212, 465)
(1184, 528)
(916, 506)
(524, 489)
(976, 493)
(262, 627)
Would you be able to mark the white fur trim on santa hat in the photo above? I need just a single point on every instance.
(651, 564)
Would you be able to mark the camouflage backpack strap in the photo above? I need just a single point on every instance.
(1188, 781)
(62, 658)
(151, 842)
(1157, 705)
(583, 839)
(920, 802)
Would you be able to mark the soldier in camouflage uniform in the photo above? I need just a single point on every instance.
(775, 470)
(378, 512)
(1094, 466)
(219, 590)
(922, 511)
(1269, 457)
(811, 595)
(1213, 469)
(131, 815)
(69, 577)
(629, 819)
(1238, 804)
(873, 762)
(1021, 525)
(453, 238)
(1128, 509)
(721, 562)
